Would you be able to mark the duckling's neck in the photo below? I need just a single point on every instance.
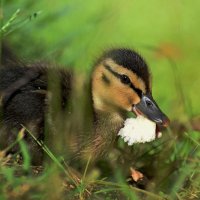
(107, 125)
(110, 121)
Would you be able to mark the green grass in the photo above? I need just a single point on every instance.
(74, 33)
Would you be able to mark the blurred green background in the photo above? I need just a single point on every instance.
(74, 33)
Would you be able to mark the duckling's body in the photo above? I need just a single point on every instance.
(24, 92)
(119, 80)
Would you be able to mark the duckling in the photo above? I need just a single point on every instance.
(120, 83)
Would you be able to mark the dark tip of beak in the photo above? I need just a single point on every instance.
(166, 122)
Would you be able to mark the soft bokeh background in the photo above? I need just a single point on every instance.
(74, 33)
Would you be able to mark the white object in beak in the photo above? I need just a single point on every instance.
(138, 130)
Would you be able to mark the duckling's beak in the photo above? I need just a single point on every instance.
(149, 108)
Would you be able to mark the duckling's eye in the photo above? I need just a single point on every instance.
(125, 79)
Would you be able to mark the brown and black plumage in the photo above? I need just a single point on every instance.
(120, 83)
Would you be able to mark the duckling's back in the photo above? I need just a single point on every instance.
(24, 91)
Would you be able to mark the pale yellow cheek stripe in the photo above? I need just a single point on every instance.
(137, 82)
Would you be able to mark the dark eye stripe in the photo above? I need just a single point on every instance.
(138, 91)
(113, 72)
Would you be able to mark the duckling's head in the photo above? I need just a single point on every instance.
(121, 83)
